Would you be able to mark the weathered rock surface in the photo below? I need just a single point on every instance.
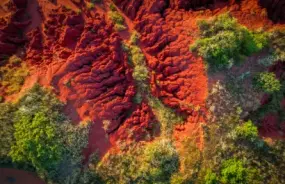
(12, 26)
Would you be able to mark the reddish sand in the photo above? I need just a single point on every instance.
(14, 176)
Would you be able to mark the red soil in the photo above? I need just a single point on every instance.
(14, 176)
(79, 55)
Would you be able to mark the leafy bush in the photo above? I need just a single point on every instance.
(6, 128)
(137, 61)
(134, 38)
(37, 141)
(151, 163)
(140, 73)
(13, 75)
(267, 82)
(165, 115)
(211, 177)
(90, 5)
(159, 162)
(247, 130)
(120, 27)
(234, 172)
(277, 40)
(224, 42)
(113, 7)
(37, 133)
(116, 18)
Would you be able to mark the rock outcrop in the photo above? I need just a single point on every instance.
(12, 26)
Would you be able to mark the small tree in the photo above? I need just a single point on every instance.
(267, 82)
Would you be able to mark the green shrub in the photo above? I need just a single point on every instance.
(211, 177)
(224, 42)
(159, 162)
(165, 115)
(15, 60)
(140, 73)
(137, 61)
(113, 7)
(234, 172)
(137, 56)
(134, 38)
(116, 17)
(42, 136)
(6, 128)
(267, 82)
(37, 142)
(277, 41)
(247, 130)
(13, 75)
(120, 27)
(90, 5)
(152, 163)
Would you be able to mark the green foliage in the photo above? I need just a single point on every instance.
(13, 74)
(277, 41)
(37, 142)
(247, 130)
(36, 132)
(120, 27)
(234, 172)
(211, 177)
(224, 42)
(134, 38)
(165, 115)
(151, 163)
(159, 161)
(137, 61)
(140, 73)
(117, 18)
(6, 128)
(113, 7)
(90, 5)
(267, 82)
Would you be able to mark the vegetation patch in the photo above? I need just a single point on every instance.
(223, 42)
(90, 5)
(12, 75)
(151, 163)
(116, 18)
(277, 39)
(38, 135)
(165, 115)
(267, 82)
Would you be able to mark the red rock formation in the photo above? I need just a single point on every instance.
(141, 125)
(178, 77)
(87, 68)
(11, 28)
